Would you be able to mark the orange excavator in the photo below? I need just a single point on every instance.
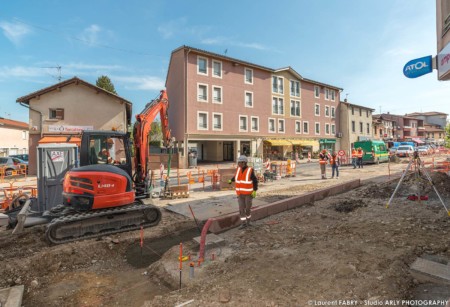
(104, 195)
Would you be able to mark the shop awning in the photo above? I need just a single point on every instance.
(327, 141)
(279, 142)
(418, 141)
(304, 142)
(60, 139)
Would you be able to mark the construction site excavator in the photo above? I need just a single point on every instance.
(104, 195)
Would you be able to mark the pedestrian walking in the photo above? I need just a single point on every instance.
(323, 159)
(335, 161)
(360, 154)
(354, 157)
(246, 187)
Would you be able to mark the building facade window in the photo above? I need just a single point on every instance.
(367, 113)
(277, 106)
(249, 99)
(277, 85)
(317, 109)
(333, 129)
(281, 126)
(217, 69)
(295, 108)
(317, 128)
(217, 94)
(361, 128)
(217, 121)
(248, 76)
(202, 121)
(327, 111)
(333, 95)
(202, 66)
(368, 128)
(298, 127)
(360, 112)
(333, 112)
(295, 88)
(24, 135)
(327, 129)
(353, 111)
(316, 91)
(202, 92)
(243, 126)
(327, 94)
(305, 127)
(56, 114)
(353, 126)
(272, 125)
(255, 123)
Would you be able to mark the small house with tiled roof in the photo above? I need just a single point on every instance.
(66, 108)
(14, 138)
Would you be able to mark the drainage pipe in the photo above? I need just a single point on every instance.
(203, 237)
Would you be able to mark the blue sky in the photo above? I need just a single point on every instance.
(360, 46)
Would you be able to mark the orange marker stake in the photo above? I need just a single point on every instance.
(181, 261)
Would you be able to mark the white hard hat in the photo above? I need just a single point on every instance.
(242, 159)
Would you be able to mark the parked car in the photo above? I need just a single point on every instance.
(405, 151)
(393, 151)
(424, 150)
(23, 157)
(10, 164)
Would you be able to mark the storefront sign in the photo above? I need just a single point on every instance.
(418, 67)
(443, 63)
(62, 128)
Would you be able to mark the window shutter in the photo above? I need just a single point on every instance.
(59, 113)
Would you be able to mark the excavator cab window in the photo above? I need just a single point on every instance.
(107, 150)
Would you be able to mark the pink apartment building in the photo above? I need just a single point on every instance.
(221, 107)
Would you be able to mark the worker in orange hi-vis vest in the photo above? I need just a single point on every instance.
(360, 154)
(246, 187)
(354, 157)
(323, 158)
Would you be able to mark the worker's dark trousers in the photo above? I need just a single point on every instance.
(245, 206)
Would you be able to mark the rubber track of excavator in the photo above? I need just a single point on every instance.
(103, 214)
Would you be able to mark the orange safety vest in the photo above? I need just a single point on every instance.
(322, 159)
(360, 153)
(244, 184)
(333, 161)
(353, 153)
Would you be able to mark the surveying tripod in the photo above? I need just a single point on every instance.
(419, 169)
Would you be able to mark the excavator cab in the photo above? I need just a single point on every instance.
(106, 147)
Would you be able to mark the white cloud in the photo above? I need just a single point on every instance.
(90, 35)
(141, 83)
(14, 31)
(224, 41)
(19, 72)
(82, 66)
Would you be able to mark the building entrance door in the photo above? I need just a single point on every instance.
(228, 151)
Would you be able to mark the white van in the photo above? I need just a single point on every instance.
(405, 151)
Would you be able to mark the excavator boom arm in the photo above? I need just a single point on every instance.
(141, 133)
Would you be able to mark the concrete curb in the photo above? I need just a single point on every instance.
(226, 222)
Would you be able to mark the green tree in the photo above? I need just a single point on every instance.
(105, 83)
(156, 133)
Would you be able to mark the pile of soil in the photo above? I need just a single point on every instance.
(347, 247)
